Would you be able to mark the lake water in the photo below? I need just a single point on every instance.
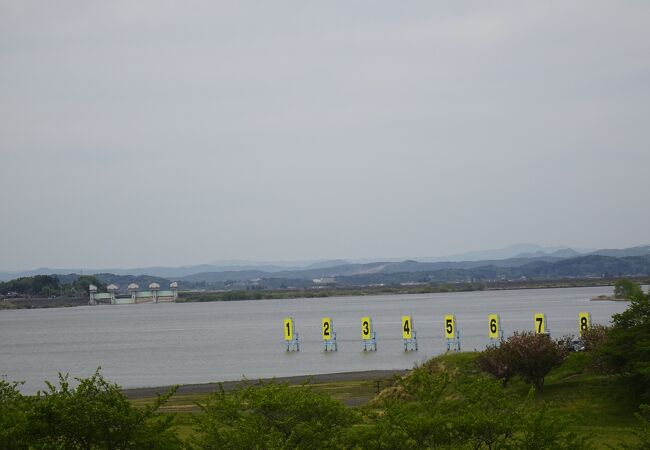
(154, 345)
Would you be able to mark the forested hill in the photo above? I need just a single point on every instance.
(591, 266)
(387, 273)
(597, 266)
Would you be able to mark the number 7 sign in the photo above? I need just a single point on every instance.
(540, 323)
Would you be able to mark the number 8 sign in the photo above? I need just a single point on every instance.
(584, 322)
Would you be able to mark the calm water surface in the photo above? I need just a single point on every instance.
(153, 345)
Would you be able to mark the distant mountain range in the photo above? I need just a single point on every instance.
(514, 262)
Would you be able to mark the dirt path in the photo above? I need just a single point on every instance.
(228, 385)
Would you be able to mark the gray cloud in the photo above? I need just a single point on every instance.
(136, 133)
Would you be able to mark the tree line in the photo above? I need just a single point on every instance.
(50, 285)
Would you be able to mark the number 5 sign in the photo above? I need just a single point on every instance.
(450, 326)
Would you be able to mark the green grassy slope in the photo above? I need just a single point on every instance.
(600, 407)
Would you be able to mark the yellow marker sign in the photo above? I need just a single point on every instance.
(540, 323)
(407, 327)
(366, 328)
(584, 322)
(493, 326)
(327, 328)
(450, 326)
(288, 329)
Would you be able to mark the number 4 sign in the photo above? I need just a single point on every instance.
(407, 327)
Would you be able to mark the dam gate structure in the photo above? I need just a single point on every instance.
(135, 296)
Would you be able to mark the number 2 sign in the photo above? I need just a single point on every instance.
(327, 328)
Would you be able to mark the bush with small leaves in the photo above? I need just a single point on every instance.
(271, 415)
(540, 430)
(449, 410)
(97, 415)
(529, 355)
(627, 347)
(642, 433)
(14, 418)
(495, 361)
(594, 337)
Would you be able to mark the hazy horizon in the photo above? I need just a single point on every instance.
(475, 256)
(136, 134)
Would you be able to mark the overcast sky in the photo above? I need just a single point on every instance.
(179, 132)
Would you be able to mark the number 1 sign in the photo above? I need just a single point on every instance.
(288, 329)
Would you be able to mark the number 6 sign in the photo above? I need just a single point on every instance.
(493, 326)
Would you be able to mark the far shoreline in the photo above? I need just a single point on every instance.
(439, 288)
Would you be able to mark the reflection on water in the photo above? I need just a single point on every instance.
(152, 345)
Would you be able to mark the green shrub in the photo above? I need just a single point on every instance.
(496, 362)
(14, 419)
(529, 355)
(626, 288)
(627, 347)
(271, 415)
(97, 415)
